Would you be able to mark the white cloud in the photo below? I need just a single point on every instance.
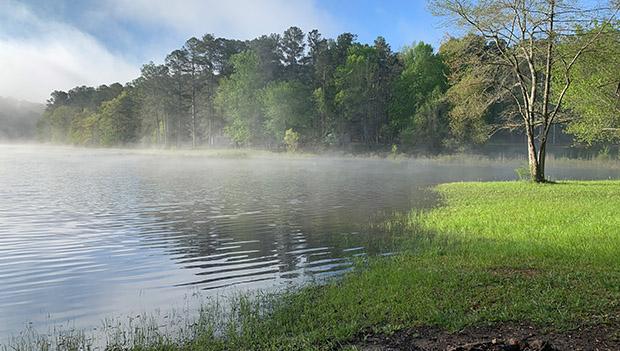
(241, 19)
(42, 55)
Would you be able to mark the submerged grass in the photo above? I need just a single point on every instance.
(546, 254)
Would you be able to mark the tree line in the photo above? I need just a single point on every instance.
(323, 92)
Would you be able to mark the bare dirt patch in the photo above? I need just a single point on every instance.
(506, 337)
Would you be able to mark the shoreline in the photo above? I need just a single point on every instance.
(336, 155)
(493, 261)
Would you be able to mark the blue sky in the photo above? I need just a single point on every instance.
(57, 44)
(401, 22)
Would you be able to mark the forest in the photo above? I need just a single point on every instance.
(301, 90)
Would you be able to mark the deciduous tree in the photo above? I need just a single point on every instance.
(525, 34)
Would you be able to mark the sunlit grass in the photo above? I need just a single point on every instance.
(566, 222)
(490, 253)
(494, 252)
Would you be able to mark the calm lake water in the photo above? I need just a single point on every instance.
(90, 234)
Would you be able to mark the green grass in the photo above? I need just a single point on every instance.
(490, 253)
(493, 252)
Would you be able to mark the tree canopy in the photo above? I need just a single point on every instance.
(339, 92)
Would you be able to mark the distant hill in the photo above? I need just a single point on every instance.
(18, 119)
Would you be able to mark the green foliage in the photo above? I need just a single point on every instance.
(291, 139)
(116, 124)
(59, 121)
(292, 45)
(416, 95)
(594, 96)
(239, 132)
(84, 128)
(472, 91)
(354, 80)
(362, 90)
(83, 117)
(333, 92)
(152, 96)
(394, 150)
(523, 172)
(603, 154)
(287, 104)
(429, 126)
(238, 96)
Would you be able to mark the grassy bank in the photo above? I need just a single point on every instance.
(491, 253)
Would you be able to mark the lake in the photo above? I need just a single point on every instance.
(91, 234)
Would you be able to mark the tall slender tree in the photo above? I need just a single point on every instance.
(153, 99)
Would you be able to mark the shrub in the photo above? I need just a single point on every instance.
(291, 139)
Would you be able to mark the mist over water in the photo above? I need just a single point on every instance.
(88, 234)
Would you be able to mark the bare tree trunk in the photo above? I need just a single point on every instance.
(547, 118)
(193, 119)
(165, 132)
(178, 141)
(193, 107)
(210, 129)
(542, 154)
(532, 156)
(211, 112)
(157, 132)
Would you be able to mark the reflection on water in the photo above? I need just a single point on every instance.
(86, 234)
